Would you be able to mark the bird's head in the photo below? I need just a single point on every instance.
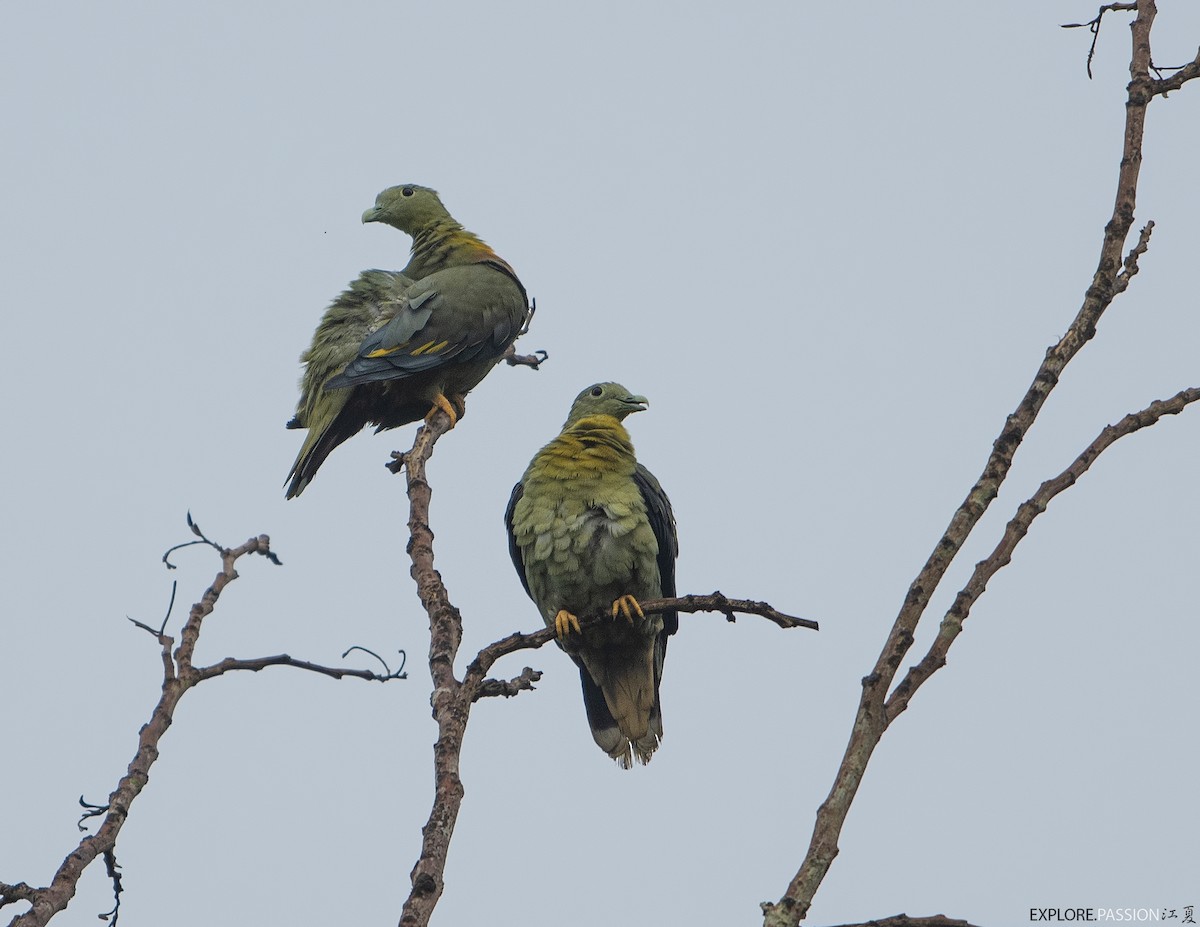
(606, 399)
(407, 207)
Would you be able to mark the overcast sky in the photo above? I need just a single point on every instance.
(831, 244)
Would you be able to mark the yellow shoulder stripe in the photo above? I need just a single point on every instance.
(429, 347)
(384, 352)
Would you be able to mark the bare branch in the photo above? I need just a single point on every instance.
(89, 811)
(872, 718)
(1130, 268)
(716, 602)
(451, 707)
(1016, 530)
(399, 674)
(1094, 27)
(113, 868)
(203, 608)
(48, 901)
(729, 607)
(491, 688)
(254, 665)
(1188, 72)
(534, 360)
(11, 894)
(903, 920)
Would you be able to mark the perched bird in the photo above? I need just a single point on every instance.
(395, 347)
(591, 532)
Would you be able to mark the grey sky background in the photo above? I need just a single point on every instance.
(830, 242)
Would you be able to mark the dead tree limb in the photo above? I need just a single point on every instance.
(1113, 272)
(179, 675)
(1014, 533)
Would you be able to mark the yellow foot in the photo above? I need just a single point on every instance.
(459, 401)
(565, 623)
(627, 605)
(441, 402)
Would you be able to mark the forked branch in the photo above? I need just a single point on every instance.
(1015, 532)
(1113, 273)
(179, 675)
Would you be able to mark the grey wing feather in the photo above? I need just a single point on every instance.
(514, 549)
(409, 319)
(467, 313)
(662, 522)
(400, 328)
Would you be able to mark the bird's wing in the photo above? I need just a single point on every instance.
(350, 318)
(514, 549)
(662, 522)
(456, 315)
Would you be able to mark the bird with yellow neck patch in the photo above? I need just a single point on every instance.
(396, 347)
(591, 532)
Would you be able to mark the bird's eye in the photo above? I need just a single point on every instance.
(407, 191)
(596, 391)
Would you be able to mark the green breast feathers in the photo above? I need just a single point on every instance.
(591, 533)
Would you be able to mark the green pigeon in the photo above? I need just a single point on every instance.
(591, 532)
(396, 347)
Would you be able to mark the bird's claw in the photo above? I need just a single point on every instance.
(627, 605)
(441, 402)
(565, 623)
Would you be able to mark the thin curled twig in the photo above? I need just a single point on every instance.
(534, 360)
(1093, 26)
(113, 869)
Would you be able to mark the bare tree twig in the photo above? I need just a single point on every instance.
(903, 920)
(179, 675)
(230, 664)
(398, 674)
(451, 706)
(716, 602)
(48, 901)
(872, 717)
(1189, 71)
(1015, 532)
(1094, 27)
(1130, 268)
(534, 360)
(491, 688)
(113, 868)
(11, 894)
(89, 811)
(729, 607)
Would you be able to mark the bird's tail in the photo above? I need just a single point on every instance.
(623, 707)
(324, 434)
